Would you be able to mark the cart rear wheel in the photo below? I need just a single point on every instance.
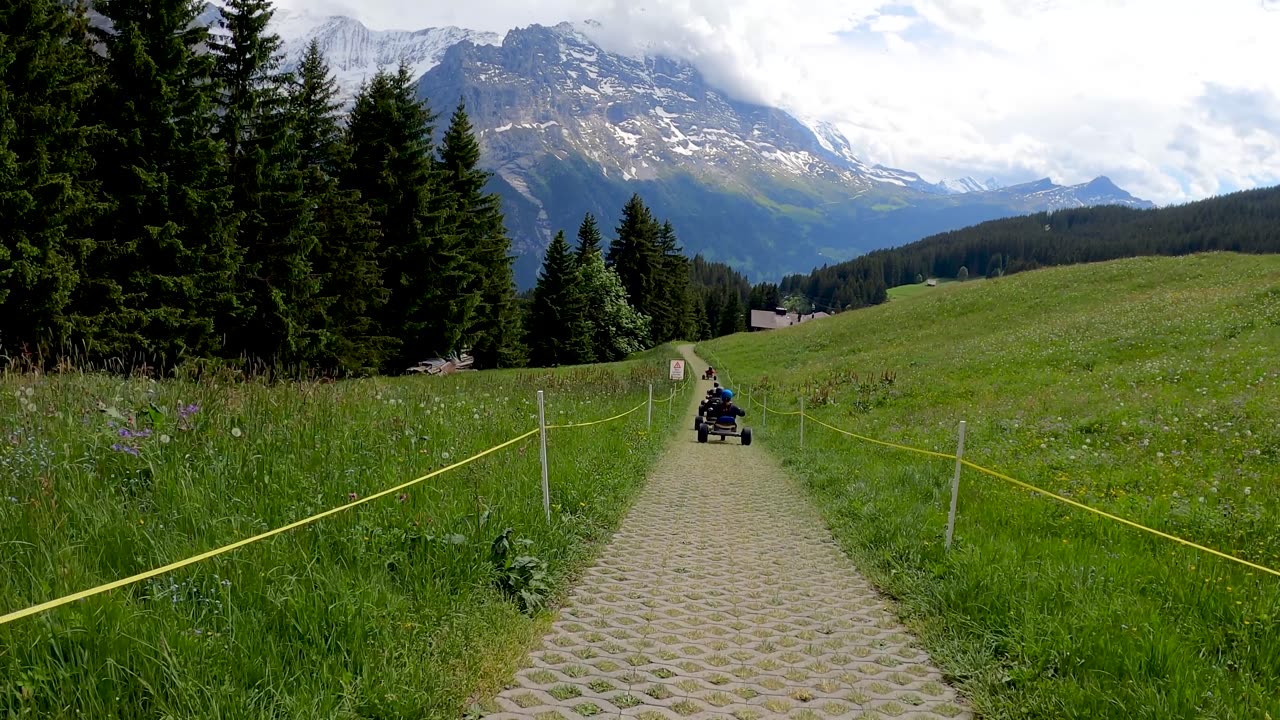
(746, 436)
(703, 432)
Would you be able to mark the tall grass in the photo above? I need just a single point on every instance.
(1148, 388)
(388, 610)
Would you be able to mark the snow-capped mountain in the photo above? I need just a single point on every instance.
(355, 53)
(1048, 196)
(968, 184)
(570, 128)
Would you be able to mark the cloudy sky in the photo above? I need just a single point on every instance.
(1173, 99)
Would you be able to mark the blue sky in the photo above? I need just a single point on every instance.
(1173, 99)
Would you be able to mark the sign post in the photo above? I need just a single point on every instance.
(677, 369)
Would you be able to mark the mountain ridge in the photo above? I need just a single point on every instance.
(568, 127)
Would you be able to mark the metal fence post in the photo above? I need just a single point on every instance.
(764, 410)
(650, 411)
(955, 488)
(802, 422)
(542, 451)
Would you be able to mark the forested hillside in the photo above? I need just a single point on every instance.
(1247, 222)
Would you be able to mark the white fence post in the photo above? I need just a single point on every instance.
(955, 488)
(802, 422)
(542, 427)
(764, 410)
(650, 418)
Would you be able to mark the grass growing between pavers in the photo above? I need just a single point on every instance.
(1148, 388)
(388, 610)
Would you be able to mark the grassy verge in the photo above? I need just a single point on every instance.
(389, 610)
(1147, 388)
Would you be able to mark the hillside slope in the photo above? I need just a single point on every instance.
(1143, 387)
(1246, 221)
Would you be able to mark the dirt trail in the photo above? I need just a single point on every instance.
(724, 596)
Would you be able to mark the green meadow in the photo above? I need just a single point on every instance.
(1148, 388)
(396, 608)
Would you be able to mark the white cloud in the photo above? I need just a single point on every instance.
(1173, 99)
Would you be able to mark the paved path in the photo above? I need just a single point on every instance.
(724, 596)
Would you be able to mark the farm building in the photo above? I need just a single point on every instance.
(780, 318)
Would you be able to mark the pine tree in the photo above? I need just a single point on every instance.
(671, 298)
(731, 317)
(493, 329)
(635, 256)
(351, 293)
(558, 332)
(162, 277)
(698, 311)
(425, 266)
(276, 235)
(616, 329)
(589, 240)
(46, 79)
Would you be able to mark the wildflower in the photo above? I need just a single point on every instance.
(353, 496)
(445, 455)
(1248, 491)
(164, 439)
(235, 432)
(402, 497)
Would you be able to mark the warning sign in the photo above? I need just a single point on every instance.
(677, 369)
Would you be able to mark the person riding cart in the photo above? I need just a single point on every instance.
(722, 420)
(728, 412)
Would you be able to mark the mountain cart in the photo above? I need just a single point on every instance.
(722, 429)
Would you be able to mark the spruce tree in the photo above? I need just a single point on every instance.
(589, 240)
(351, 293)
(672, 320)
(276, 235)
(425, 266)
(731, 316)
(635, 256)
(493, 328)
(161, 279)
(46, 79)
(558, 332)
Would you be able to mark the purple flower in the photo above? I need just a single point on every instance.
(125, 449)
(124, 433)
(188, 411)
(144, 433)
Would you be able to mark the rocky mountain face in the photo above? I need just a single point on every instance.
(355, 52)
(569, 128)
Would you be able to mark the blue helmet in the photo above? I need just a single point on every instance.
(727, 394)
